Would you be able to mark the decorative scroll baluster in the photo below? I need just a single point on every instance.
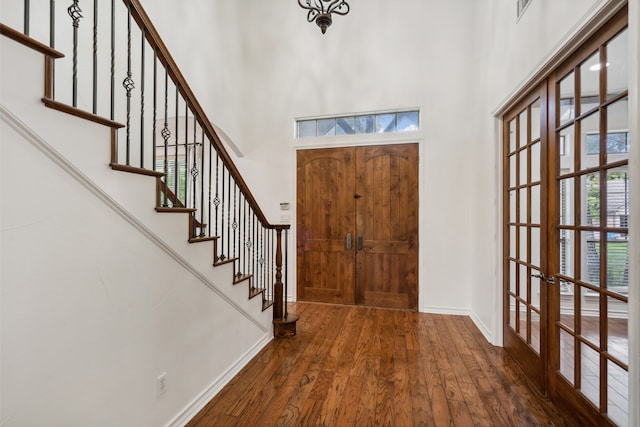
(234, 224)
(261, 260)
(75, 13)
(142, 74)
(95, 56)
(128, 84)
(222, 241)
(27, 16)
(271, 257)
(166, 134)
(216, 199)
(244, 236)
(194, 175)
(210, 201)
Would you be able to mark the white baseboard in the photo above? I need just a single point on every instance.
(483, 328)
(214, 388)
(461, 312)
(445, 310)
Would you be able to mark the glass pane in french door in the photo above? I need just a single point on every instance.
(523, 188)
(592, 192)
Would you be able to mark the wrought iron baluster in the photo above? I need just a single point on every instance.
(234, 224)
(202, 153)
(229, 213)
(271, 257)
(75, 13)
(176, 169)
(27, 14)
(95, 56)
(216, 199)
(129, 85)
(261, 260)
(155, 107)
(222, 237)
(210, 201)
(166, 134)
(142, 75)
(194, 173)
(52, 23)
(254, 257)
(184, 199)
(244, 236)
(186, 153)
(113, 59)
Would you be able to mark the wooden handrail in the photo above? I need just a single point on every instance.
(152, 36)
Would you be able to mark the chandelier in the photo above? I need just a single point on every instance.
(321, 10)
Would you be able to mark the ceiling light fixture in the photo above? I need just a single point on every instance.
(321, 10)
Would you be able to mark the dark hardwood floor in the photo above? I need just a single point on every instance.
(359, 366)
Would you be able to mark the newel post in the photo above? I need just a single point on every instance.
(284, 324)
(278, 287)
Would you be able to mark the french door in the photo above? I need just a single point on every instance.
(357, 225)
(566, 198)
(526, 238)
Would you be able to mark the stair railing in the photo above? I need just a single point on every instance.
(119, 68)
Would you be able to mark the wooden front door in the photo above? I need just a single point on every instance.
(357, 225)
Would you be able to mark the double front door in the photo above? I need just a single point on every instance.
(357, 225)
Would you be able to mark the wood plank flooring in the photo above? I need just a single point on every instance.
(361, 366)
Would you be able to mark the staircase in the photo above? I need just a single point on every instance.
(186, 201)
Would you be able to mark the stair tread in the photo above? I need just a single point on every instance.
(202, 239)
(225, 261)
(174, 210)
(254, 292)
(134, 169)
(53, 104)
(238, 278)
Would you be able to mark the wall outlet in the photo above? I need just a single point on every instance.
(161, 384)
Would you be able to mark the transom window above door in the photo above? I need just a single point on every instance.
(381, 122)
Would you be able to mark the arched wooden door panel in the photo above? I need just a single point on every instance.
(357, 225)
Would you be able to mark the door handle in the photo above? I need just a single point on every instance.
(359, 242)
(349, 242)
(548, 279)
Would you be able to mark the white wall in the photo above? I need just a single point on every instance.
(99, 294)
(209, 51)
